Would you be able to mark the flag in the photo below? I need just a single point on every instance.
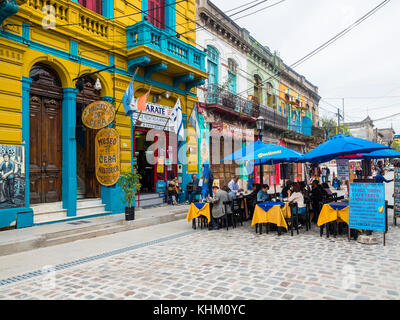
(176, 120)
(206, 177)
(193, 120)
(141, 101)
(128, 99)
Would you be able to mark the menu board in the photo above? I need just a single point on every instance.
(367, 206)
(342, 169)
(397, 192)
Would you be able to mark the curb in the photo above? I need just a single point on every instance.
(61, 237)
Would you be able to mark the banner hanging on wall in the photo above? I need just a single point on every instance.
(107, 148)
(98, 115)
(12, 176)
(396, 192)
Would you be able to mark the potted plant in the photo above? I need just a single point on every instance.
(130, 185)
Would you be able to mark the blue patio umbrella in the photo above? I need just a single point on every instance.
(273, 154)
(340, 145)
(247, 150)
(379, 154)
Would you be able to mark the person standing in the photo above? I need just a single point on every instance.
(8, 168)
(323, 175)
(379, 178)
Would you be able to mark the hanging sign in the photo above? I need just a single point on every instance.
(342, 169)
(98, 115)
(107, 156)
(397, 192)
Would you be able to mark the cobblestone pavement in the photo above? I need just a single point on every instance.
(234, 264)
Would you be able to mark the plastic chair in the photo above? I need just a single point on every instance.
(237, 210)
(227, 206)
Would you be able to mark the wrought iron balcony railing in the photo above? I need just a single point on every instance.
(144, 33)
(222, 96)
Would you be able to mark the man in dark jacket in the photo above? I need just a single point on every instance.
(316, 196)
(196, 189)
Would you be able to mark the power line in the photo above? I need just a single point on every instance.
(272, 5)
(243, 5)
(362, 98)
(335, 38)
(340, 34)
(257, 4)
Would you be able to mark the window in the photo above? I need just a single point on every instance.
(94, 5)
(212, 68)
(257, 88)
(156, 13)
(232, 70)
(270, 100)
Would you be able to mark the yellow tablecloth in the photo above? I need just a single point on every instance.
(195, 212)
(274, 215)
(328, 215)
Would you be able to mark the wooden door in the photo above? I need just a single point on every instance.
(91, 184)
(45, 154)
(45, 135)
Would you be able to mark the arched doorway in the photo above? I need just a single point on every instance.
(45, 135)
(88, 186)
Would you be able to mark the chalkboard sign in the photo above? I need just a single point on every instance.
(397, 192)
(367, 206)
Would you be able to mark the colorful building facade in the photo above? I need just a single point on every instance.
(44, 48)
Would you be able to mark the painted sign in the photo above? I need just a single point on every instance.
(98, 115)
(228, 130)
(107, 156)
(397, 192)
(367, 206)
(342, 169)
(12, 176)
(154, 117)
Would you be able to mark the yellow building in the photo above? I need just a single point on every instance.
(45, 46)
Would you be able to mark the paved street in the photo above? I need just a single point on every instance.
(172, 261)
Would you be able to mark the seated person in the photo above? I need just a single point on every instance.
(173, 190)
(252, 198)
(325, 186)
(195, 190)
(262, 195)
(234, 186)
(285, 189)
(218, 208)
(295, 196)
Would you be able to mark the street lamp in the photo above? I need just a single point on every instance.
(260, 126)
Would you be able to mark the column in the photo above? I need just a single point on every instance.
(69, 181)
(26, 88)
(112, 196)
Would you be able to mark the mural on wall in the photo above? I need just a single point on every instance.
(12, 176)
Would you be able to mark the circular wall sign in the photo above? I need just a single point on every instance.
(98, 115)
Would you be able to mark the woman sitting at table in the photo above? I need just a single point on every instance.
(325, 186)
(295, 196)
(262, 195)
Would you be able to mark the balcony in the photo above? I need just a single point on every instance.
(223, 101)
(273, 118)
(160, 47)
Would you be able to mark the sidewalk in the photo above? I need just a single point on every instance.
(19, 240)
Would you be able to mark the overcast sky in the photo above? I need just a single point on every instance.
(363, 63)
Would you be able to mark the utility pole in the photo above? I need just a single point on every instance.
(338, 120)
(343, 109)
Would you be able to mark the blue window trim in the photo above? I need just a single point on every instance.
(89, 63)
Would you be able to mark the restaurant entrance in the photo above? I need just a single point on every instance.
(153, 171)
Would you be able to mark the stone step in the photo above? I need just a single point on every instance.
(90, 209)
(85, 232)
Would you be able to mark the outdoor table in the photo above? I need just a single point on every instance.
(334, 211)
(199, 209)
(271, 212)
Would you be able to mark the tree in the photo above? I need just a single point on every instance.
(396, 145)
(331, 128)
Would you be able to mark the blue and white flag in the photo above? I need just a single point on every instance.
(193, 120)
(176, 121)
(129, 99)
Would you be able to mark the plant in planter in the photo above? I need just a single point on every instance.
(130, 185)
